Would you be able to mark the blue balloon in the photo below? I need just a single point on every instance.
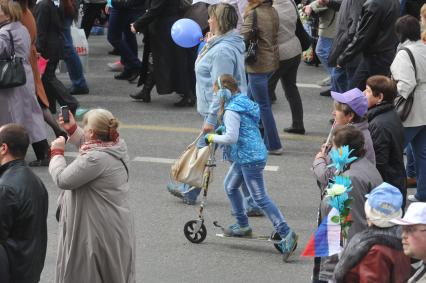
(186, 33)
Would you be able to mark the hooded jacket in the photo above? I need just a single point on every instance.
(96, 230)
(374, 255)
(223, 54)
(23, 228)
(249, 147)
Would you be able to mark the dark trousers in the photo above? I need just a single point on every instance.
(4, 266)
(91, 12)
(55, 89)
(122, 39)
(287, 73)
(375, 64)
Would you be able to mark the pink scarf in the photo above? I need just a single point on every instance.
(96, 144)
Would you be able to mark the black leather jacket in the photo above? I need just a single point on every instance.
(23, 228)
(375, 32)
(387, 134)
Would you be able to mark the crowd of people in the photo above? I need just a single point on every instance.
(371, 51)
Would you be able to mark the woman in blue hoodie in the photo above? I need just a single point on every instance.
(244, 147)
(223, 53)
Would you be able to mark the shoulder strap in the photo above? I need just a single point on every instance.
(125, 166)
(122, 161)
(254, 24)
(12, 45)
(410, 54)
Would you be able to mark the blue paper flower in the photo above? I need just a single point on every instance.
(340, 157)
(338, 191)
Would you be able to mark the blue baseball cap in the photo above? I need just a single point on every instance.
(385, 199)
(354, 98)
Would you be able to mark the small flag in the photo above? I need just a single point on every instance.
(326, 240)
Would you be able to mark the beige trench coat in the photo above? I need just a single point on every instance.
(96, 232)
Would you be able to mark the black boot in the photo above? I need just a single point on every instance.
(143, 95)
(42, 152)
(187, 100)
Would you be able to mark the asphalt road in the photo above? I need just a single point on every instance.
(157, 132)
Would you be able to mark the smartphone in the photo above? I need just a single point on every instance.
(65, 113)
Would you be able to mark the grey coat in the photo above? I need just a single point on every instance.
(403, 72)
(19, 104)
(288, 43)
(364, 177)
(96, 232)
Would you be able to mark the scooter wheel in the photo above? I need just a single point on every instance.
(193, 236)
(276, 237)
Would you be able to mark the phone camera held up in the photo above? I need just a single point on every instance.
(65, 114)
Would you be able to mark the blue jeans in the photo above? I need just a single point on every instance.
(252, 174)
(323, 51)
(258, 91)
(75, 69)
(338, 80)
(411, 162)
(417, 137)
(122, 39)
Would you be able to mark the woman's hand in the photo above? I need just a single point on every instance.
(132, 28)
(209, 35)
(308, 10)
(207, 128)
(70, 124)
(59, 143)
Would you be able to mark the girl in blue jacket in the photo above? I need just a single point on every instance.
(244, 147)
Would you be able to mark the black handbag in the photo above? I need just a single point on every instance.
(12, 72)
(303, 36)
(403, 105)
(252, 44)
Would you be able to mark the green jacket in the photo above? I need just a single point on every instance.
(327, 19)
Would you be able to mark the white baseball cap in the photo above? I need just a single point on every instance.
(416, 214)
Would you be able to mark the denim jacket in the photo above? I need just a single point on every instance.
(249, 147)
(223, 54)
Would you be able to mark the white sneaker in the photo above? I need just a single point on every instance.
(412, 198)
(116, 66)
(279, 151)
(325, 82)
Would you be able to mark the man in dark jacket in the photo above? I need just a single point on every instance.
(375, 39)
(23, 210)
(346, 24)
(386, 131)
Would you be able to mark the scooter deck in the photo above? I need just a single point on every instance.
(261, 238)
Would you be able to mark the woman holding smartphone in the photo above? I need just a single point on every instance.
(96, 228)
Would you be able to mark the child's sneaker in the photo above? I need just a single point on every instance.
(236, 230)
(254, 212)
(288, 245)
(174, 190)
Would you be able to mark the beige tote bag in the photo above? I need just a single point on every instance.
(189, 167)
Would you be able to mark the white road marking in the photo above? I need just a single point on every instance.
(148, 159)
(308, 85)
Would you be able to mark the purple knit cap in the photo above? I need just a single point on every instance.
(354, 98)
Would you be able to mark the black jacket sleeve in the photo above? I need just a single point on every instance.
(42, 17)
(381, 143)
(366, 32)
(155, 9)
(8, 207)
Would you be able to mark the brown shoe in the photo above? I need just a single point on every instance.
(411, 182)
